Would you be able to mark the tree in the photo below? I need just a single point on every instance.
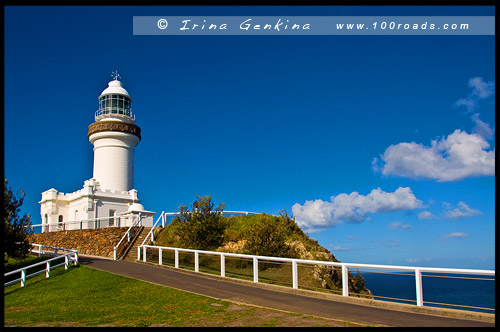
(202, 227)
(16, 227)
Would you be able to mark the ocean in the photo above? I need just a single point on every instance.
(463, 292)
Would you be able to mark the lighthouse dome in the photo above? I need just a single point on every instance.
(115, 87)
(136, 207)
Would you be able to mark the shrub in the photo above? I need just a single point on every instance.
(202, 227)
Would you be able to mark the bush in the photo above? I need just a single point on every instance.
(268, 237)
(202, 227)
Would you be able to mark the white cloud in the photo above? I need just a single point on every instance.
(480, 90)
(462, 211)
(482, 128)
(399, 225)
(469, 103)
(352, 207)
(387, 242)
(425, 215)
(418, 260)
(457, 234)
(339, 248)
(459, 156)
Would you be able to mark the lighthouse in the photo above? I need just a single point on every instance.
(109, 198)
(114, 135)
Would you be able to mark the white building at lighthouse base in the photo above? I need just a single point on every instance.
(91, 207)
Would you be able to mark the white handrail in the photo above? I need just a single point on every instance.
(81, 221)
(67, 258)
(345, 267)
(223, 212)
(127, 234)
(74, 222)
(152, 228)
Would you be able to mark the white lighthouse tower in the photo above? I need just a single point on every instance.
(114, 136)
(108, 199)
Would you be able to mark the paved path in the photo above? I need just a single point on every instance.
(226, 290)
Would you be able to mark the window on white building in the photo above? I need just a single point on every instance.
(112, 217)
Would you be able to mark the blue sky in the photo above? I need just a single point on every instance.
(381, 146)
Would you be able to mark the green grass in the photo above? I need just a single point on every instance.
(68, 296)
(82, 296)
(14, 263)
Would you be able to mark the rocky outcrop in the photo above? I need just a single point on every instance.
(324, 276)
(96, 242)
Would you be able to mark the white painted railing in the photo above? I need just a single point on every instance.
(137, 222)
(70, 256)
(163, 219)
(88, 223)
(295, 283)
(95, 223)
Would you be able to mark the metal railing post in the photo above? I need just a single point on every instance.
(40, 250)
(255, 270)
(138, 253)
(160, 258)
(114, 254)
(295, 275)
(196, 261)
(419, 289)
(47, 270)
(345, 280)
(76, 257)
(55, 253)
(144, 254)
(23, 278)
(66, 262)
(222, 266)
(176, 264)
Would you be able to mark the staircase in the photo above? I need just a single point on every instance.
(131, 253)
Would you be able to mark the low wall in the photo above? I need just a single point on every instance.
(96, 242)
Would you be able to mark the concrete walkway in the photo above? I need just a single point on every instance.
(266, 296)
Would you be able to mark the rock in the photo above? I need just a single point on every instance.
(97, 242)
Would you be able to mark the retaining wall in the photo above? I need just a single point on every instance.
(96, 242)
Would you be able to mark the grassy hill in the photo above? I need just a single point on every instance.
(262, 234)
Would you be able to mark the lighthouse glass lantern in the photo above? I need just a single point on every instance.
(114, 102)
